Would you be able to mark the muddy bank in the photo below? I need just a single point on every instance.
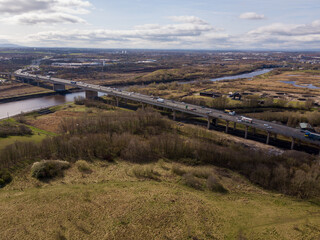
(37, 95)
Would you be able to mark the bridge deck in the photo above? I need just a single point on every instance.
(178, 106)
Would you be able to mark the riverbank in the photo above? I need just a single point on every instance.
(38, 95)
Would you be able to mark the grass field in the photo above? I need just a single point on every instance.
(111, 203)
(37, 136)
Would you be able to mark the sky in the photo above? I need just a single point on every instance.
(162, 24)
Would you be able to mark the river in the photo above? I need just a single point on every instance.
(28, 105)
(13, 108)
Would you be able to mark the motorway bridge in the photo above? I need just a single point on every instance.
(211, 115)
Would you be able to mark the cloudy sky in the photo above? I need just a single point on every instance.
(162, 24)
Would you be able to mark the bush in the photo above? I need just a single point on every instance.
(5, 178)
(83, 166)
(145, 172)
(201, 172)
(192, 181)
(47, 169)
(9, 129)
(178, 170)
(214, 186)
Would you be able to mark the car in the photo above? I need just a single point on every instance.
(266, 125)
(208, 112)
(269, 127)
(193, 109)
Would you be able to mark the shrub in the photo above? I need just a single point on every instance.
(201, 172)
(79, 100)
(178, 170)
(192, 181)
(145, 172)
(5, 178)
(47, 169)
(214, 186)
(10, 129)
(83, 166)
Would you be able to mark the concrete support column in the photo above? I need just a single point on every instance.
(268, 137)
(254, 131)
(117, 101)
(91, 94)
(38, 83)
(292, 143)
(214, 121)
(58, 87)
(234, 126)
(275, 136)
(246, 132)
(126, 101)
(174, 115)
(227, 126)
(208, 125)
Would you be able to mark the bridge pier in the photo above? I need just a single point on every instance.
(57, 87)
(227, 126)
(208, 125)
(142, 105)
(275, 136)
(234, 126)
(268, 138)
(91, 94)
(174, 115)
(246, 132)
(117, 101)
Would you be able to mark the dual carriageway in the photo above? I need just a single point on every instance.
(211, 115)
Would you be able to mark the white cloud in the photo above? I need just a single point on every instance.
(188, 19)
(43, 11)
(281, 36)
(189, 31)
(252, 16)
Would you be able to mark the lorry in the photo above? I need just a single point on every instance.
(246, 119)
(312, 136)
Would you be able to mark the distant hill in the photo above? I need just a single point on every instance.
(9, 45)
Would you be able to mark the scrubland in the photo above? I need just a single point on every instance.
(138, 175)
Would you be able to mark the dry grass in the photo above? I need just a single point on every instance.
(110, 204)
(51, 122)
(83, 166)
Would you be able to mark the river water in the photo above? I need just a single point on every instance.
(234, 77)
(13, 108)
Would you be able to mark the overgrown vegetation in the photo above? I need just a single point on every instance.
(145, 172)
(12, 129)
(83, 166)
(5, 178)
(48, 169)
(146, 136)
(292, 119)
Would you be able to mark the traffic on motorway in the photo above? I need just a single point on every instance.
(180, 106)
